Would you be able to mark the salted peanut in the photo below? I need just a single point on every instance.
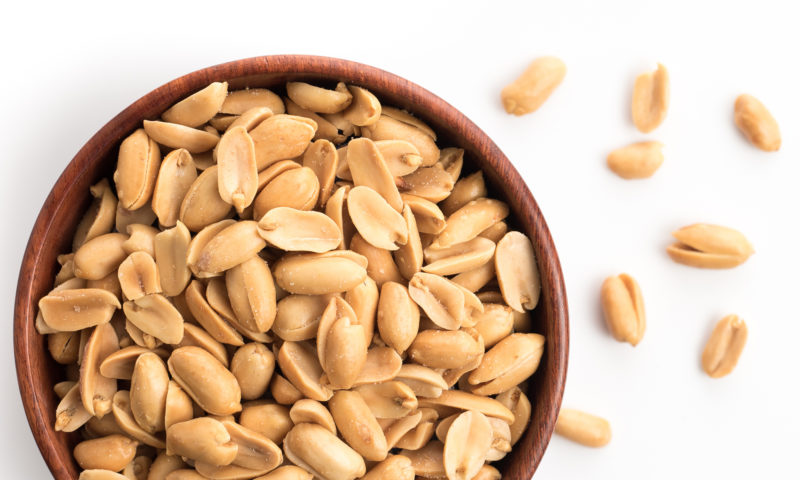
(418, 437)
(469, 401)
(121, 407)
(344, 127)
(476, 278)
(199, 107)
(336, 208)
(174, 135)
(194, 336)
(517, 272)
(206, 380)
(149, 384)
(298, 361)
(271, 420)
(250, 118)
(297, 230)
(202, 439)
(369, 169)
(637, 160)
(431, 183)
(319, 274)
(341, 344)
(171, 248)
(61, 389)
(501, 440)
(178, 405)
(139, 338)
(396, 429)
(623, 308)
(252, 294)
(69, 310)
(392, 399)
(317, 99)
(138, 276)
(395, 467)
(101, 427)
(298, 316)
(70, 413)
(109, 283)
(516, 401)
(67, 270)
(97, 390)
(487, 472)
(295, 188)
(255, 451)
(363, 299)
(322, 158)
(238, 176)
(703, 245)
(287, 472)
(445, 348)
(470, 220)
(199, 242)
(357, 425)
(202, 205)
(535, 85)
(311, 411)
(326, 130)
(204, 160)
(253, 365)
(429, 217)
(125, 217)
(409, 257)
(380, 264)
(321, 453)
(508, 363)
(388, 128)
(650, 99)
(99, 218)
(398, 316)
(141, 238)
(156, 316)
(468, 440)
(100, 474)
(240, 101)
(375, 219)
(440, 299)
(756, 123)
(409, 119)
(217, 298)
(423, 381)
(281, 137)
(163, 465)
(383, 364)
(222, 122)
(230, 247)
(724, 347)
(99, 256)
(138, 468)
(428, 461)
(451, 160)
(137, 166)
(495, 323)
(364, 109)
(458, 258)
(467, 189)
(583, 428)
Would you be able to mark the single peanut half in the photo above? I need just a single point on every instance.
(650, 99)
(623, 308)
(530, 90)
(756, 123)
(637, 160)
(583, 428)
(724, 346)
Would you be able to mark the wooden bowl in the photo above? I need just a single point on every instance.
(69, 198)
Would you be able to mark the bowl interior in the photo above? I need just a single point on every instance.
(69, 198)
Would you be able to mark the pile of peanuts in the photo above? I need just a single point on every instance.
(287, 288)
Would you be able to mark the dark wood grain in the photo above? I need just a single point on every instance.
(52, 234)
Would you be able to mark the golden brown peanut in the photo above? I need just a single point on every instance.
(623, 308)
(230, 247)
(637, 160)
(149, 384)
(382, 365)
(409, 257)
(71, 310)
(322, 158)
(218, 328)
(100, 474)
(428, 461)
(174, 135)
(387, 128)
(336, 208)
(124, 217)
(63, 346)
(470, 220)
(535, 85)
(199, 242)
(650, 99)
(756, 123)
(320, 100)
(138, 276)
(326, 130)
(237, 175)
(107, 453)
(375, 219)
(255, 451)
(138, 468)
(250, 118)
(704, 245)
(390, 399)
(287, 472)
(516, 401)
(240, 101)
(395, 467)
(341, 344)
(280, 137)
(137, 166)
(297, 230)
(67, 270)
(440, 299)
(318, 274)
(202, 439)
(110, 283)
(428, 216)
(363, 298)
(369, 169)
(418, 437)
(464, 191)
(100, 256)
(357, 425)
(583, 428)
(451, 160)
(156, 316)
(171, 249)
(141, 238)
(409, 119)
(96, 390)
(311, 411)
(460, 257)
(468, 440)
(469, 401)
(194, 336)
(253, 365)
(252, 294)
(517, 272)
(198, 108)
(380, 264)
(318, 451)
(178, 407)
(204, 160)
(124, 418)
(295, 188)
(206, 380)
(364, 109)
(423, 381)
(508, 363)
(99, 218)
(163, 465)
(298, 316)
(222, 122)
(398, 316)
(722, 351)
(430, 183)
(298, 361)
(202, 205)
(395, 429)
(271, 420)
(70, 413)
(445, 348)
(496, 232)
(494, 324)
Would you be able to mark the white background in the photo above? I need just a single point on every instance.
(71, 68)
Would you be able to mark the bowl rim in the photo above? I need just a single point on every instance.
(113, 131)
